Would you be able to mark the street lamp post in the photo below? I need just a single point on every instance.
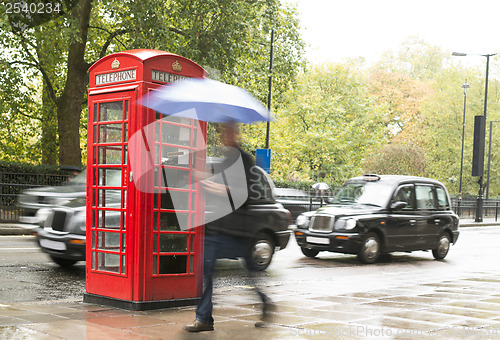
(466, 87)
(263, 156)
(479, 205)
(269, 96)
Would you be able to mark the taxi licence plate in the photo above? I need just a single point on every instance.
(54, 245)
(317, 240)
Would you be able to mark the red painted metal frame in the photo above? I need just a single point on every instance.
(137, 276)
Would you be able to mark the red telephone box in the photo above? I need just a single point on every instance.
(143, 249)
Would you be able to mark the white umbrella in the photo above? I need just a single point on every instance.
(321, 186)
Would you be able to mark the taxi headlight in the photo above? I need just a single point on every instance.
(302, 221)
(350, 224)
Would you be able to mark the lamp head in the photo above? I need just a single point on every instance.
(465, 86)
(459, 54)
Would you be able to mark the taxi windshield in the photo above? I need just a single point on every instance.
(364, 193)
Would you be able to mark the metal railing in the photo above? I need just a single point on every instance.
(12, 184)
(466, 208)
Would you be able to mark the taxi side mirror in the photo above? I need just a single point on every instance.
(398, 205)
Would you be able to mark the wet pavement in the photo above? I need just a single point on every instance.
(408, 296)
(467, 307)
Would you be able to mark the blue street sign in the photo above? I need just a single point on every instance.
(263, 159)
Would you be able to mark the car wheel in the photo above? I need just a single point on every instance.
(443, 247)
(62, 262)
(261, 252)
(369, 251)
(309, 252)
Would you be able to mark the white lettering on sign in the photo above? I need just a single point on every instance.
(113, 77)
(165, 77)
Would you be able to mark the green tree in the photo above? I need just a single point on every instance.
(230, 38)
(397, 159)
(329, 124)
(440, 125)
(403, 97)
(416, 58)
(18, 130)
(420, 84)
(39, 52)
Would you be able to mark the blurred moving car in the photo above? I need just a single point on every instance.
(36, 203)
(372, 215)
(62, 234)
(291, 194)
(296, 201)
(266, 221)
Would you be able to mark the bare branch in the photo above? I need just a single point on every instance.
(112, 36)
(305, 123)
(22, 63)
(178, 31)
(27, 115)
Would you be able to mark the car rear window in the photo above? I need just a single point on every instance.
(442, 198)
(425, 197)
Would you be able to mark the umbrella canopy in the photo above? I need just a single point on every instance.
(321, 186)
(207, 100)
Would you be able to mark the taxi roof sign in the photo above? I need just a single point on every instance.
(371, 178)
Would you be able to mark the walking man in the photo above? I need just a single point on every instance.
(228, 236)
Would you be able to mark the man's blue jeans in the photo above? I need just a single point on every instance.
(218, 247)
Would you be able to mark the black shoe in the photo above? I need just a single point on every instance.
(198, 326)
(267, 309)
(261, 324)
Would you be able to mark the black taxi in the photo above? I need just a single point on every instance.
(376, 214)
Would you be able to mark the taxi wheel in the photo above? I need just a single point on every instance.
(62, 262)
(309, 252)
(261, 253)
(443, 247)
(369, 250)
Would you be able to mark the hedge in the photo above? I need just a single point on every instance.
(15, 177)
(9, 167)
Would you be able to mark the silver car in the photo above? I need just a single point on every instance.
(36, 203)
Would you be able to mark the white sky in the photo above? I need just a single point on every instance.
(339, 29)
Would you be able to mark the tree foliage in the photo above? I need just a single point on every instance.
(403, 116)
(397, 159)
(402, 96)
(332, 121)
(229, 38)
(329, 123)
(432, 103)
(416, 58)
